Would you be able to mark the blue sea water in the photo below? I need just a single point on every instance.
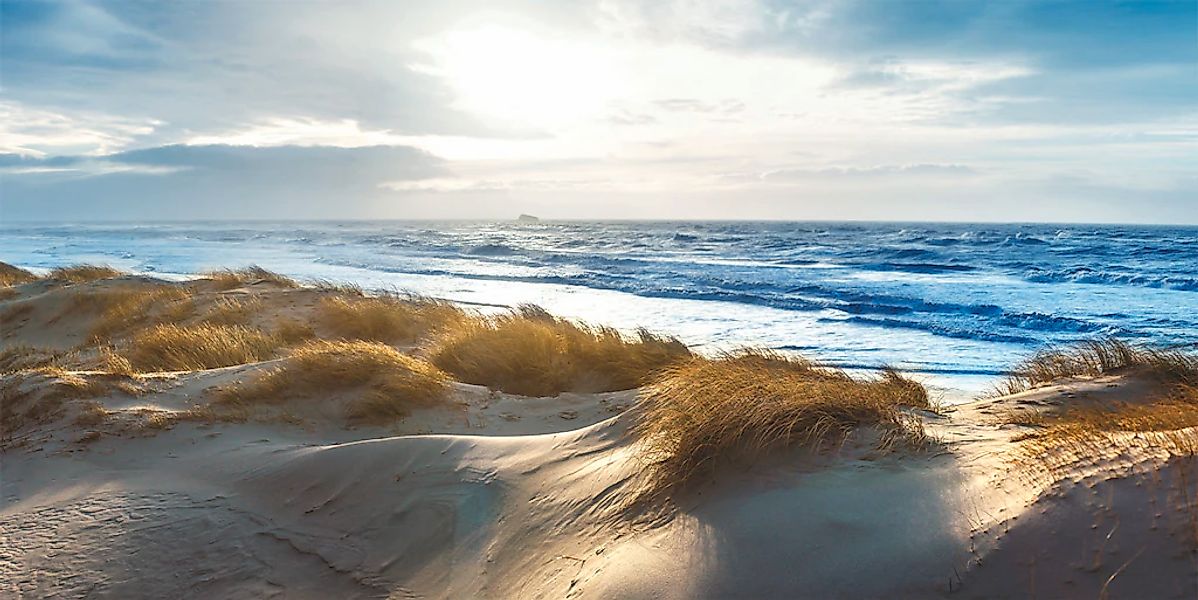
(960, 302)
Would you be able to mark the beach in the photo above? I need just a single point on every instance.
(610, 299)
(956, 304)
(241, 434)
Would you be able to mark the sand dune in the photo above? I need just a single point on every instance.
(497, 495)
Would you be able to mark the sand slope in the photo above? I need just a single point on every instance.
(500, 496)
(250, 510)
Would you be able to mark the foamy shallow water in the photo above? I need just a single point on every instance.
(958, 303)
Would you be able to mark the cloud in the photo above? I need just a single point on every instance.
(178, 181)
(204, 66)
(850, 172)
(29, 130)
(626, 117)
(726, 106)
(359, 108)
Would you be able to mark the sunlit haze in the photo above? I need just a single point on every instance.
(613, 109)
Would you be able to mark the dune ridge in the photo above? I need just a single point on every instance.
(132, 478)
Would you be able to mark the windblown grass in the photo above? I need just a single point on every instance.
(228, 279)
(132, 307)
(1077, 434)
(10, 275)
(233, 311)
(1094, 358)
(743, 406)
(83, 273)
(38, 397)
(27, 358)
(533, 353)
(338, 288)
(113, 363)
(391, 319)
(177, 348)
(1161, 418)
(392, 383)
(293, 331)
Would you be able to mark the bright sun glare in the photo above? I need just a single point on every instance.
(519, 76)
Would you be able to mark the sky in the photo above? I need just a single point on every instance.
(909, 110)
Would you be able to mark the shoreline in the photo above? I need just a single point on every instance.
(629, 312)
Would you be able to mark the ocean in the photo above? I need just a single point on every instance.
(959, 303)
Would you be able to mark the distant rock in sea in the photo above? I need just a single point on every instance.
(527, 219)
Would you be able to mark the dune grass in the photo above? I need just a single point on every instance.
(743, 406)
(1094, 358)
(180, 348)
(533, 353)
(1161, 418)
(232, 311)
(227, 279)
(10, 275)
(293, 331)
(27, 358)
(113, 363)
(391, 383)
(1058, 440)
(338, 288)
(83, 273)
(389, 318)
(132, 307)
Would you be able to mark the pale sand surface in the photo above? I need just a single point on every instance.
(508, 497)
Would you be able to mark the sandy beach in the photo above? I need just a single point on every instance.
(273, 476)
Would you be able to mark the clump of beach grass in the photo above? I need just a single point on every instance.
(387, 318)
(131, 307)
(113, 363)
(229, 310)
(10, 275)
(1095, 358)
(28, 358)
(1162, 417)
(188, 348)
(227, 279)
(391, 382)
(293, 331)
(532, 353)
(83, 273)
(745, 405)
(1056, 440)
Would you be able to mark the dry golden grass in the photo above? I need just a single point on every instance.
(743, 406)
(10, 275)
(533, 353)
(83, 273)
(391, 319)
(24, 358)
(1057, 441)
(134, 306)
(1094, 358)
(338, 288)
(233, 311)
(228, 279)
(392, 383)
(176, 348)
(293, 331)
(36, 397)
(91, 414)
(113, 363)
(1164, 419)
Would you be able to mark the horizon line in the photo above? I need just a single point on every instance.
(7, 222)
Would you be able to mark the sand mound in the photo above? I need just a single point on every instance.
(271, 508)
(144, 485)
